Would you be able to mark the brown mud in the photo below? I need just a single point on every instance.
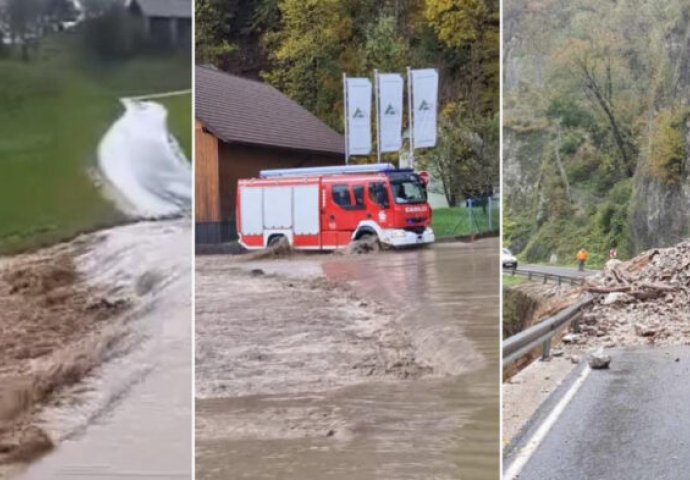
(94, 378)
(349, 366)
(52, 334)
(311, 335)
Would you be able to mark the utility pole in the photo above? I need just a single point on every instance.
(378, 118)
(346, 117)
(410, 105)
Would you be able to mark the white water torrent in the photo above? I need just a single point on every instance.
(144, 164)
(131, 416)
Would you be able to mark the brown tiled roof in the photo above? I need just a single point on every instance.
(235, 109)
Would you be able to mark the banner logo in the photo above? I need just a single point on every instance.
(424, 106)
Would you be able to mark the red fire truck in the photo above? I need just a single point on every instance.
(327, 208)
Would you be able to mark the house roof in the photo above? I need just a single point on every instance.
(236, 109)
(164, 8)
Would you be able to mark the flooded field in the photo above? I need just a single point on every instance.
(358, 367)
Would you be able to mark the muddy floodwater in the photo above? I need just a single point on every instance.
(356, 367)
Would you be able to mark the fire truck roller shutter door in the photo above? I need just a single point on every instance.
(251, 206)
(277, 208)
(306, 205)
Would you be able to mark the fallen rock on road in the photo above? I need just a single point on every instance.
(598, 359)
(644, 301)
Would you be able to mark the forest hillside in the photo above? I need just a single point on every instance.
(302, 47)
(596, 132)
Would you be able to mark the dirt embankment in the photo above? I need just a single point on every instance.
(52, 333)
(266, 334)
(528, 304)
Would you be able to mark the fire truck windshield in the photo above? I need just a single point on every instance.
(408, 190)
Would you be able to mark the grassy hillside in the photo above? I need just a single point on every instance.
(179, 119)
(54, 110)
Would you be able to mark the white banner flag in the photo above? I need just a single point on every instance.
(424, 99)
(358, 116)
(390, 106)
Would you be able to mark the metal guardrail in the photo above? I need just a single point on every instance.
(522, 343)
(532, 274)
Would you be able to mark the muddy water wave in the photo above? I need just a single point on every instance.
(131, 415)
(441, 424)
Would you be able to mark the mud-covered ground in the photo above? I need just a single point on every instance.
(328, 366)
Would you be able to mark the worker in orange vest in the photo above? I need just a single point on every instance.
(582, 258)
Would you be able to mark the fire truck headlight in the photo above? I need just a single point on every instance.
(398, 233)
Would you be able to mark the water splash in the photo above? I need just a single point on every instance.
(144, 164)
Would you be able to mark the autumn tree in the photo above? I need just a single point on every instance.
(596, 67)
(310, 51)
(212, 19)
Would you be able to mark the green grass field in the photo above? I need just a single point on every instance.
(455, 222)
(513, 281)
(53, 112)
(179, 119)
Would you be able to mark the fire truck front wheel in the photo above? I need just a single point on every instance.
(371, 240)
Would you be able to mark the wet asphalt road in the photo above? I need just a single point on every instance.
(558, 270)
(629, 422)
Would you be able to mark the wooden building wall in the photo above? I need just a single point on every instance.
(218, 167)
(206, 177)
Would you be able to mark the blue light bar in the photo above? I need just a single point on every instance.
(322, 171)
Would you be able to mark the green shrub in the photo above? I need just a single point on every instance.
(667, 146)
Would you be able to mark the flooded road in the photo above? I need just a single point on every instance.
(131, 418)
(442, 422)
(95, 378)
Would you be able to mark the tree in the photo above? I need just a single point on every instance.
(456, 22)
(596, 67)
(24, 22)
(468, 31)
(386, 48)
(309, 52)
(466, 158)
(212, 19)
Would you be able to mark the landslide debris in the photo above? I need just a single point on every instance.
(642, 301)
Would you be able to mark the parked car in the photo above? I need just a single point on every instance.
(508, 259)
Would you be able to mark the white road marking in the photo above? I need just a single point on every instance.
(528, 450)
